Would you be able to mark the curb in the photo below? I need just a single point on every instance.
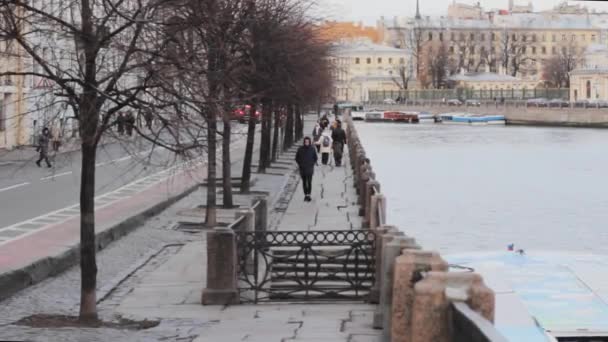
(14, 281)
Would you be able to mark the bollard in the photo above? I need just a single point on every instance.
(432, 297)
(390, 251)
(407, 268)
(378, 211)
(381, 232)
(369, 192)
(221, 268)
(261, 213)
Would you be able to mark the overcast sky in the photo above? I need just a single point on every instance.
(370, 10)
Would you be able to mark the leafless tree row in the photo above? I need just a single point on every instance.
(184, 64)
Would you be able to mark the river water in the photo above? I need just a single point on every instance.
(463, 189)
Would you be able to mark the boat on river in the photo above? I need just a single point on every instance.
(545, 296)
(392, 116)
(472, 119)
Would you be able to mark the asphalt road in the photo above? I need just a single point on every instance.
(27, 191)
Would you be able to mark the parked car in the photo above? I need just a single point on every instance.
(560, 103)
(389, 101)
(596, 103)
(454, 102)
(358, 115)
(539, 102)
(243, 113)
(473, 103)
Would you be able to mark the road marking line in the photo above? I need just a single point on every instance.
(14, 186)
(57, 175)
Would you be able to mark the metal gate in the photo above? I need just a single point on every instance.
(305, 265)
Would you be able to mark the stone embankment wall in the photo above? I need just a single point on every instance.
(418, 295)
(519, 114)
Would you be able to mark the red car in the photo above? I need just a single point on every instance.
(242, 114)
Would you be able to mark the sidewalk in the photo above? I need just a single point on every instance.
(173, 291)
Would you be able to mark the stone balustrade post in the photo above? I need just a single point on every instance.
(390, 251)
(384, 235)
(378, 211)
(261, 213)
(369, 191)
(365, 176)
(222, 265)
(407, 267)
(432, 297)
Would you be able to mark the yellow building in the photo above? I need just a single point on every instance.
(334, 31)
(590, 81)
(361, 66)
(15, 123)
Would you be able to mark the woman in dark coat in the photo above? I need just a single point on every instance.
(306, 157)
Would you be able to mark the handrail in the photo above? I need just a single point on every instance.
(470, 326)
(237, 223)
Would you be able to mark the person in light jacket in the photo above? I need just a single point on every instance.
(325, 142)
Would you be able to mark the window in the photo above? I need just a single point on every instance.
(523, 50)
(573, 37)
(564, 50)
(402, 60)
(544, 50)
(514, 37)
(524, 38)
(482, 50)
(554, 50)
(563, 37)
(588, 89)
(379, 60)
(441, 37)
(553, 38)
(369, 60)
(544, 38)
(451, 50)
(430, 36)
(534, 50)
(534, 38)
(472, 36)
(493, 49)
(573, 50)
(493, 36)
(472, 50)
(390, 61)
(482, 37)
(592, 37)
(462, 37)
(453, 36)
(357, 60)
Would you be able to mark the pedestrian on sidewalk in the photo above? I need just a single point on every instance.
(130, 121)
(43, 147)
(120, 122)
(56, 136)
(338, 136)
(306, 157)
(316, 134)
(326, 143)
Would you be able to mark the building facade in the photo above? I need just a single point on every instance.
(361, 66)
(590, 81)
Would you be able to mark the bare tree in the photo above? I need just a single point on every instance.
(105, 49)
(403, 77)
(556, 70)
(439, 66)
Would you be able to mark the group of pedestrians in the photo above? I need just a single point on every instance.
(327, 139)
(125, 123)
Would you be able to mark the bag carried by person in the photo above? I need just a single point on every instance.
(326, 141)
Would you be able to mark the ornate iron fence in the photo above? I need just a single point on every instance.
(305, 265)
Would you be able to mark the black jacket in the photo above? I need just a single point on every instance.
(306, 157)
(338, 135)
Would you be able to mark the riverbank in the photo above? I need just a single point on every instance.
(525, 116)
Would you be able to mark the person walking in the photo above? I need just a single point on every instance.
(338, 136)
(325, 142)
(130, 121)
(56, 136)
(307, 158)
(316, 134)
(43, 147)
(120, 122)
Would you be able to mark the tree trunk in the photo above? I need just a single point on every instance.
(88, 263)
(300, 123)
(211, 214)
(289, 129)
(266, 135)
(226, 161)
(246, 176)
(275, 138)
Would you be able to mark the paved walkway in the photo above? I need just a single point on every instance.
(174, 290)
